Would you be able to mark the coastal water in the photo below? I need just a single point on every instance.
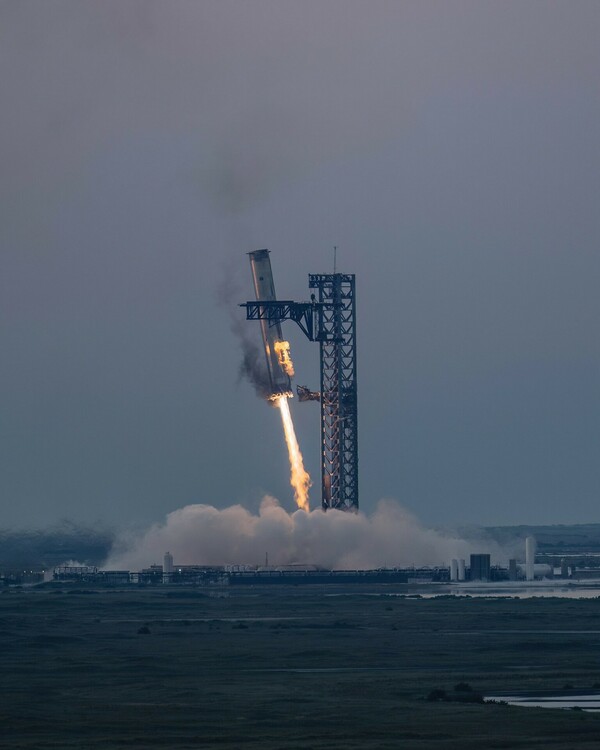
(496, 590)
(523, 590)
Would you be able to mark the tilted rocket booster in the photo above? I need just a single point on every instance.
(279, 364)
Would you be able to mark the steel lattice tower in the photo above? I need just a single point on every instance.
(336, 333)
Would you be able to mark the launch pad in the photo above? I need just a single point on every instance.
(330, 319)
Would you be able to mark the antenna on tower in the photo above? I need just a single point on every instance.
(334, 258)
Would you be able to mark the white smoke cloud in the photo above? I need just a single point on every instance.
(204, 535)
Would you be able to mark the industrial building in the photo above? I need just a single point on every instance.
(479, 570)
(480, 567)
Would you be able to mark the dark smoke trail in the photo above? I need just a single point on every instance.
(230, 293)
(252, 367)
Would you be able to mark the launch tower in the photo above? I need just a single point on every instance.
(330, 319)
(336, 334)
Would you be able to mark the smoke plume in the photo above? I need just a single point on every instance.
(252, 367)
(204, 535)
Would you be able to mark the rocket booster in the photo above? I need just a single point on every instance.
(276, 348)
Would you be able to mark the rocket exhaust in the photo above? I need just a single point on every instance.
(299, 477)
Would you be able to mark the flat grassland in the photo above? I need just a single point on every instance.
(291, 667)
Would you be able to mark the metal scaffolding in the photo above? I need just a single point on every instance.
(336, 333)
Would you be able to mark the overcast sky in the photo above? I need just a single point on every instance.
(451, 151)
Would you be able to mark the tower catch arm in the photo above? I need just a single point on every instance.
(302, 313)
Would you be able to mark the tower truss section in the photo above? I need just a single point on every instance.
(336, 333)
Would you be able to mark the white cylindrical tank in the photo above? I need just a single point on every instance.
(540, 570)
(454, 570)
(530, 558)
(461, 569)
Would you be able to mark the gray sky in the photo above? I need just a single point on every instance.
(450, 149)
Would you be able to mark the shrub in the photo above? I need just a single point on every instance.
(437, 695)
(463, 687)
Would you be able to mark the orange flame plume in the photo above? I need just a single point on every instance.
(299, 477)
(282, 349)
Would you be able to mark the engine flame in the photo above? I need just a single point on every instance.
(274, 397)
(282, 349)
(299, 477)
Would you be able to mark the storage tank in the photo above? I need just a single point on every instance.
(529, 558)
(461, 569)
(540, 570)
(167, 567)
(454, 570)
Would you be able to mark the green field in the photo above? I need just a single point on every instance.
(288, 668)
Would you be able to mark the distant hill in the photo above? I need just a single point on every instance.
(46, 548)
(574, 538)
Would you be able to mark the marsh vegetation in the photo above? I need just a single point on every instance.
(289, 668)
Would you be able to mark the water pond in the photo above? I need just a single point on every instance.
(580, 701)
